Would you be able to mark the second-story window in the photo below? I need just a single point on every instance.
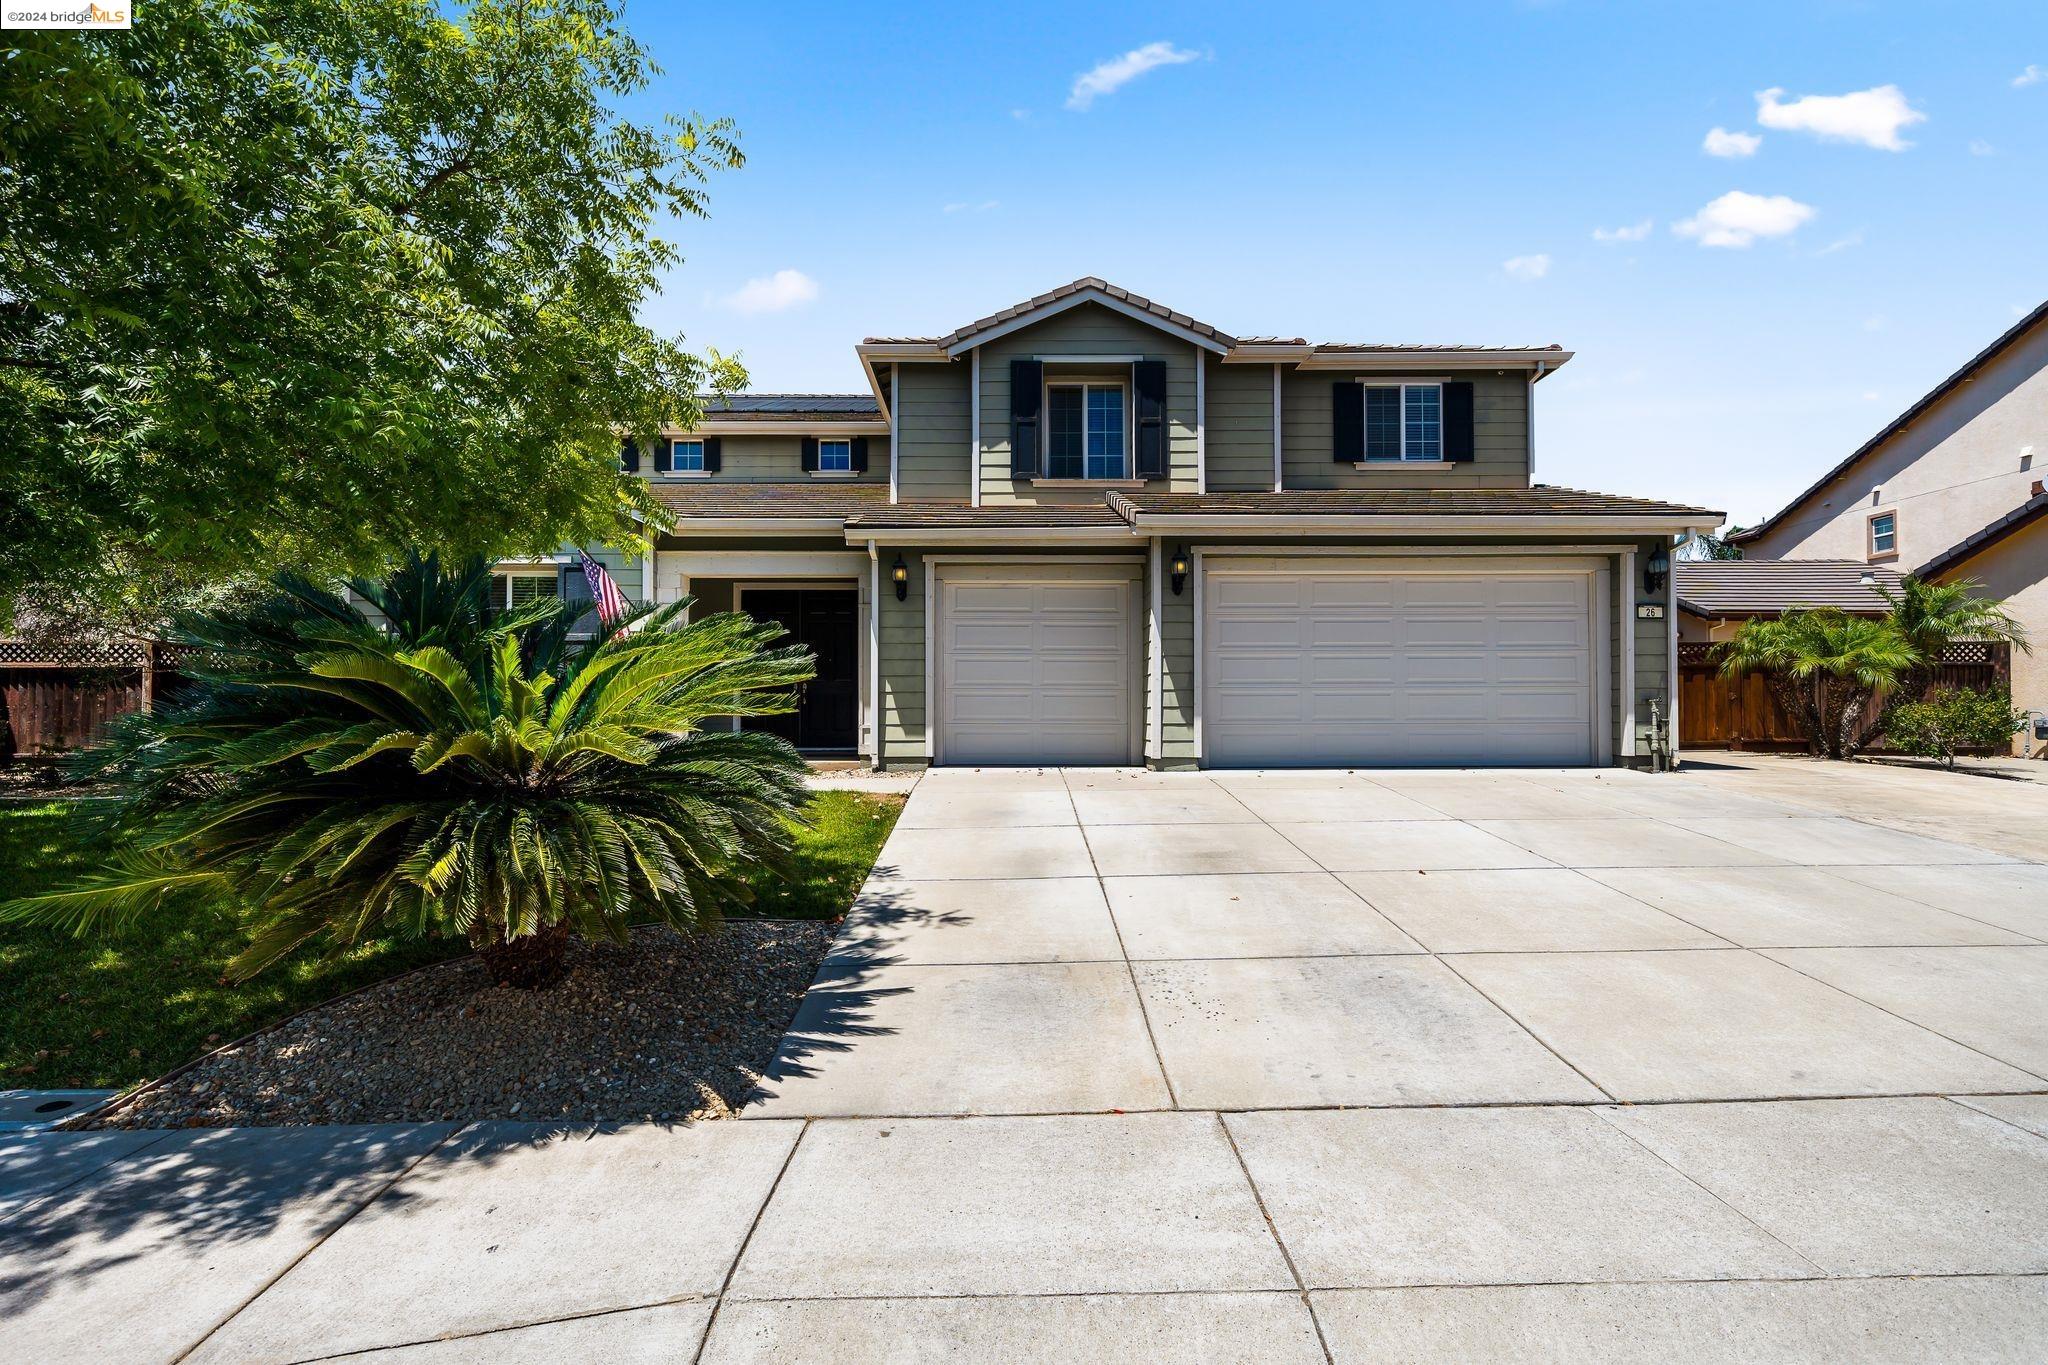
(1884, 535)
(1085, 432)
(1404, 422)
(835, 457)
(686, 457)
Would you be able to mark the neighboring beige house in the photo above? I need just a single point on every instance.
(1715, 596)
(1951, 489)
(1089, 529)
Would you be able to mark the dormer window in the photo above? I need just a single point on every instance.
(1086, 436)
(1404, 422)
(835, 456)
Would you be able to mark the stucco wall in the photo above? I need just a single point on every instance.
(2016, 569)
(1960, 466)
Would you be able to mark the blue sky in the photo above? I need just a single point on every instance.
(1367, 172)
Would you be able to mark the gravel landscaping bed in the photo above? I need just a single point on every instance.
(673, 1027)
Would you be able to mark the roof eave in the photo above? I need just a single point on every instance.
(1395, 523)
(786, 426)
(1542, 359)
(959, 343)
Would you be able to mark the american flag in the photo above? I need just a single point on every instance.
(611, 603)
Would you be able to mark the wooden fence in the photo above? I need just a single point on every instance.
(1740, 713)
(55, 704)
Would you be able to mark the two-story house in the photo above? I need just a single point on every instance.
(1089, 529)
(1950, 489)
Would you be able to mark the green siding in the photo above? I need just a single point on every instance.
(773, 459)
(1500, 412)
(1239, 427)
(1652, 672)
(1088, 329)
(1177, 686)
(931, 432)
(902, 665)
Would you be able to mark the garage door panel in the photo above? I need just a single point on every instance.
(1036, 672)
(1385, 666)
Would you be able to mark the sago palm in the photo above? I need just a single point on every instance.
(1824, 666)
(1933, 616)
(446, 770)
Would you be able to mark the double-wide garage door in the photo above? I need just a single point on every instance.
(1037, 664)
(1376, 663)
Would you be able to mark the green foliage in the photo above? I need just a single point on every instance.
(463, 773)
(1825, 666)
(1933, 616)
(1952, 719)
(287, 284)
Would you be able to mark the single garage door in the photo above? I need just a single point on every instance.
(1037, 665)
(1381, 663)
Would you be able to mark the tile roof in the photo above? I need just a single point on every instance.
(811, 498)
(1396, 349)
(1540, 500)
(1903, 420)
(2026, 514)
(1021, 516)
(1765, 587)
(1066, 291)
(739, 406)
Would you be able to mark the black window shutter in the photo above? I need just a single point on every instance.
(664, 456)
(629, 457)
(1347, 421)
(860, 455)
(1027, 386)
(810, 454)
(1458, 422)
(1148, 391)
(713, 452)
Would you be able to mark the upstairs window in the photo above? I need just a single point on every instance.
(1404, 422)
(1884, 535)
(1086, 437)
(835, 457)
(686, 457)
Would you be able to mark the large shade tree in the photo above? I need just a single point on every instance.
(286, 284)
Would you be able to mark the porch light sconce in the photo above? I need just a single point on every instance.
(1656, 568)
(899, 574)
(1179, 569)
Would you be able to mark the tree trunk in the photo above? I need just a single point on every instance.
(1796, 699)
(1850, 727)
(7, 748)
(530, 962)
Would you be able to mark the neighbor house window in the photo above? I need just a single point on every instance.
(517, 587)
(686, 457)
(1884, 534)
(1085, 435)
(1404, 422)
(835, 457)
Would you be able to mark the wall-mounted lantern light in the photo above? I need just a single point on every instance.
(1656, 569)
(1179, 569)
(899, 574)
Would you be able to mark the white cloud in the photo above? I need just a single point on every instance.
(1979, 147)
(1872, 117)
(1737, 219)
(1020, 114)
(1721, 142)
(1113, 75)
(1527, 267)
(2033, 75)
(983, 207)
(1633, 232)
(775, 293)
(1842, 243)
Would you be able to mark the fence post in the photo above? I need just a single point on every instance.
(148, 676)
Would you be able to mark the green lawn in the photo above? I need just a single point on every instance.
(115, 1011)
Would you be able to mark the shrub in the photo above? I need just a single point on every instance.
(1952, 719)
(449, 770)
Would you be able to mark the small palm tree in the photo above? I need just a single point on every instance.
(444, 769)
(1824, 666)
(1932, 616)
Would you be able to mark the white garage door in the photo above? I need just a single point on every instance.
(1037, 666)
(1356, 664)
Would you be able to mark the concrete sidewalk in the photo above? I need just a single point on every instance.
(1207, 1067)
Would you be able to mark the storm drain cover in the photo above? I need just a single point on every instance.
(27, 1111)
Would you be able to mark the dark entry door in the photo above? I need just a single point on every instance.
(827, 621)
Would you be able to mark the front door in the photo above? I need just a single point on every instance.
(827, 622)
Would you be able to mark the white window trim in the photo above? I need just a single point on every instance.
(549, 572)
(1403, 458)
(700, 472)
(1045, 438)
(824, 473)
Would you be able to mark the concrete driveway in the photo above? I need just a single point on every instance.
(1288, 1066)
